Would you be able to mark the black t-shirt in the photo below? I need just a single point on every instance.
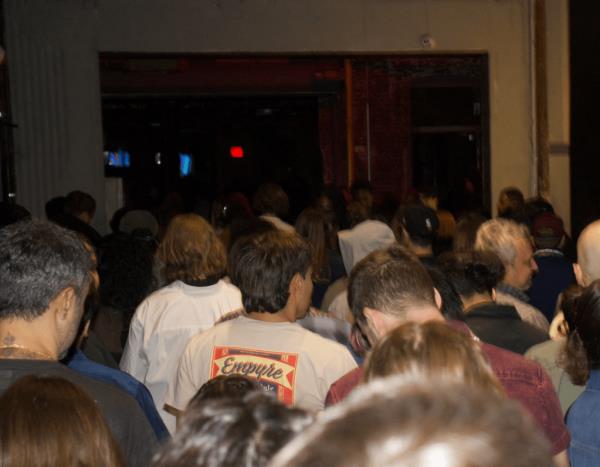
(123, 415)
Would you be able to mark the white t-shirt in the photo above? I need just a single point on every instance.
(278, 223)
(340, 308)
(161, 328)
(296, 364)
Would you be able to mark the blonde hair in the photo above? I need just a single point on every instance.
(191, 250)
(431, 349)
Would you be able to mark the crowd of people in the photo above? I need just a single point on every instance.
(356, 334)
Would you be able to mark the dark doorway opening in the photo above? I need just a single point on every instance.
(449, 142)
(401, 121)
(203, 147)
(585, 102)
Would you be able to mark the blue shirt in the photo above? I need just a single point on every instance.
(78, 362)
(582, 421)
(554, 275)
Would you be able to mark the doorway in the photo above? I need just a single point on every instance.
(401, 121)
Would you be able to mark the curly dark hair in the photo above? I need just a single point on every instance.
(472, 272)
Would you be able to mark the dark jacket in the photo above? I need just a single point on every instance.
(502, 326)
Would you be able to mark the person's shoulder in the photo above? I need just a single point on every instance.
(109, 375)
(507, 364)
(505, 298)
(201, 339)
(350, 379)
(534, 333)
(164, 294)
(313, 342)
(545, 349)
(102, 389)
(339, 389)
(226, 287)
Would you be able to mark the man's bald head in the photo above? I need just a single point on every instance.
(587, 268)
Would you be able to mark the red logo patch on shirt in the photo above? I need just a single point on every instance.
(275, 371)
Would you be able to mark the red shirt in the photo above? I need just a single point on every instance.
(523, 380)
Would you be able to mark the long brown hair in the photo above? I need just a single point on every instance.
(312, 225)
(50, 421)
(581, 352)
(431, 349)
(191, 250)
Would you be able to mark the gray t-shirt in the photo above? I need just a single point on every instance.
(125, 419)
(546, 354)
(297, 365)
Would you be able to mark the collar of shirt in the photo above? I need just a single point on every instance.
(512, 291)
(548, 252)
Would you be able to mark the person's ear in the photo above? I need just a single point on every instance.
(371, 325)
(378, 323)
(369, 315)
(438, 298)
(578, 274)
(296, 284)
(63, 303)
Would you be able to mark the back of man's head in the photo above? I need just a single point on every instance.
(11, 213)
(37, 261)
(390, 281)
(588, 254)
(547, 230)
(510, 202)
(420, 222)
(500, 236)
(78, 203)
(262, 267)
(362, 192)
(271, 199)
(420, 422)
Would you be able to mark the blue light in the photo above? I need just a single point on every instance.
(185, 164)
(118, 158)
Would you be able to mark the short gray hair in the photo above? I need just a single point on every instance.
(499, 236)
(38, 260)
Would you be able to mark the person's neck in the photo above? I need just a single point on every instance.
(422, 250)
(84, 217)
(282, 316)
(476, 300)
(20, 339)
(508, 288)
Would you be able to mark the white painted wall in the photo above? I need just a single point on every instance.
(80, 29)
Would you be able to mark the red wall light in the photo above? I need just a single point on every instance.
(237, 152)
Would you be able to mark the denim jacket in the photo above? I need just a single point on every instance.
(582, 421)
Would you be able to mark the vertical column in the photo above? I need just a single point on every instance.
(541, 100)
